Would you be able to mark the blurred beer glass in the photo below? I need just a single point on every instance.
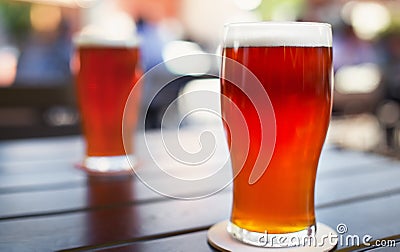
(107, 71)
(293, 63)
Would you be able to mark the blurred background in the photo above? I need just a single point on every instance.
(36, 80)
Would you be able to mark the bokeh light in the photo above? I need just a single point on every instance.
(45, 18)
(179, 48)
(368, 18)
(363, 78)
(248, 4)
(8, 65)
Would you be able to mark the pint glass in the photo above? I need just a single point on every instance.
(292, 62)
(107, 71)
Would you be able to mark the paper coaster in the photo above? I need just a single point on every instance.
(220, 239)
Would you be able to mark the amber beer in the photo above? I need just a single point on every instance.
(108, 72)
(296, 73)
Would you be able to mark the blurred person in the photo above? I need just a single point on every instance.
(391, 64)
(8, 56)
(157, 25)
(45, 55)
(322, 11)
(348, 49)
(389, 109)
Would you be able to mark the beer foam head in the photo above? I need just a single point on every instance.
(116, 30)
(92, 36)
(302, 34)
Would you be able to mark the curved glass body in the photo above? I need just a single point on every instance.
(293, 63)
(106, 74)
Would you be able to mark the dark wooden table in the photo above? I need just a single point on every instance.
(48, 205)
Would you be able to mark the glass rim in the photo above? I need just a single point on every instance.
(278, 23)
(277, 33)
(105, 42)
(98, 38)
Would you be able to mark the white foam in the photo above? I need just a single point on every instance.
(93, 36)
(105, 42)
(303, 34)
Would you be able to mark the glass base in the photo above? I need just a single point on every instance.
(268, 240)
(109, 165)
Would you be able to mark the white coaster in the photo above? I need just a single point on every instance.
(220, 239)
